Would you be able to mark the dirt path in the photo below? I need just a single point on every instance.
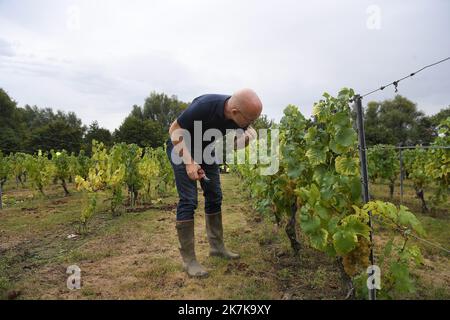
(135, 256)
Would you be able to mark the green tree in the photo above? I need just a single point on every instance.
(45, 130)
(375, 131)
(57, 134)
(396, 121)
(161, 108)
(443, 114)
(145, 133)
(95, 132)
(10, 131)
(148, 125)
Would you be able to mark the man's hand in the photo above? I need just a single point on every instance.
(251, 134)
(244, 139)
(194, 171)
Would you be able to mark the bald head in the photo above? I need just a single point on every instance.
(247, 102)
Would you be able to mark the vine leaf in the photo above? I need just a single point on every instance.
(346, 137)
(344, 241)
(346, 166)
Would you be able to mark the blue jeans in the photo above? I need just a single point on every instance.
(187, 188)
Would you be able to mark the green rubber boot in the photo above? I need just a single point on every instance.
(185, 232)
(214, 230)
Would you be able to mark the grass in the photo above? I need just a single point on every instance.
(135, 255)
(433, 277)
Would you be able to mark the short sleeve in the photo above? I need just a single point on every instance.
(196, 111)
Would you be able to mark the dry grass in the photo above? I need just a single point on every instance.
(135, 255)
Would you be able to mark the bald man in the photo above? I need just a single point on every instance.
(214, 111)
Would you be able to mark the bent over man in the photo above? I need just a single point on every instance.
(220, 113)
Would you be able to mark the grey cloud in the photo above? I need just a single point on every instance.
(6, 49)
(288, 51)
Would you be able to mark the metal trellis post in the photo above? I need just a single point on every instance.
(364, 179)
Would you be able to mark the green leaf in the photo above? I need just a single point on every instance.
(388, 247)
(386, 251)
(416, 254)
(314, 194)
(356, 209)
(333, 224)
(346, 166)
(319, 173)
(316, 155)
(322, 211)
(346, 137)
(356, 188)
(344, 241)
(324, 179)
(407, 218)
(309, 224)
(311, 135)
(337, 148)
(402, 278)
(319, 239)
(295, 171)
(354, 224)
(340, 119)
(317, 109)
(326, 195)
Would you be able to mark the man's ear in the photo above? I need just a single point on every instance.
(234, 111)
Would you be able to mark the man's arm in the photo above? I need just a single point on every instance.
(193, 169)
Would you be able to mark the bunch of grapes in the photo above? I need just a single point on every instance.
(357, 259)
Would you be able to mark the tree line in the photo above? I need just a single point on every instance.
(32, 128)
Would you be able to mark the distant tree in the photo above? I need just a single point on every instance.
(424, 131)
(7, 106)
(145, 133)
(149, 125)
(58, 134)
(374, 128)
(440, 116)
(160, 108)
(48, 130)
(396, 121)
(95, 132)
(11, 134)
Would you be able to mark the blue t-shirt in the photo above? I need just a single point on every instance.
(209, 109)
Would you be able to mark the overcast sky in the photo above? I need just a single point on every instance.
(99, 58)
